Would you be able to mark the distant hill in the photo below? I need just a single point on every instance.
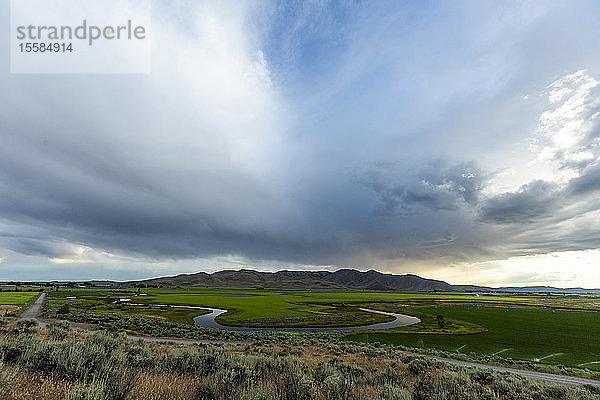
(373, 280)
(243, 278)
(547, 289)
(340, 279)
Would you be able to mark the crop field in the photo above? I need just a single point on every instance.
(541, 335)
(558, 330)
(11, 302)
(16, 298)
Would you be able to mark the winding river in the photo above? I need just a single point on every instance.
(208, 321)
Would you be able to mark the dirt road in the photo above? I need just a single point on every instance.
(34, 310)
(564, 379)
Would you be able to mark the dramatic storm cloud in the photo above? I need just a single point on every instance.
(456, 140)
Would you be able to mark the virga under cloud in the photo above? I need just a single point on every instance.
(443, 139)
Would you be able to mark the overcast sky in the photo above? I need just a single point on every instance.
(457, 140)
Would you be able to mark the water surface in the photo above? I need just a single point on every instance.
(209, 321)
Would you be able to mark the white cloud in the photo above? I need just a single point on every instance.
(567, 138)
(77, 254)
(560, 269)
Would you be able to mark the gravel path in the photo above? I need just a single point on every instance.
(34, 310)
(543, 376)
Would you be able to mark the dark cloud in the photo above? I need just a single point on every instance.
(533, 201)
(436, 186)
(252, 140)
(33, 247)
(587, 183)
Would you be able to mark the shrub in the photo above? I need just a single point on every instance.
(119, 383)
(206, 390)
(9, 352)
(592, 389)
(189, 360)
(139, 355)
(339, 379)
(27, 325)
(423, 387)
(88, 391)
(259, 392)
(323, 371)
(61, 324)
(390, 392)
(338, 386)
(395, 374)
(83, 358)
(63, 309)
(417, 366)
(38, 355)
(59, 330)
(457, 386)
(482, 376)
(293, 382)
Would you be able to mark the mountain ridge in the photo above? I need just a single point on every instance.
(344, 278)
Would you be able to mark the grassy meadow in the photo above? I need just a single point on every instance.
(16, 298)
(540, 335)
(248, 307)
(556, 330)
(11, 302)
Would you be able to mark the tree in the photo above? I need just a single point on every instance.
(63, 309)
(440, 321)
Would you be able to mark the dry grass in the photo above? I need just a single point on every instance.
(28, 385)
(313, 355)
(164, 387)
(35, 386)
(74, 335)
(7, 308)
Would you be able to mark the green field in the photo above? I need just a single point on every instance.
(12, 302)
(254, 308)
(247, 307)
(16, 298)
(541, 335)
(547, 329)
